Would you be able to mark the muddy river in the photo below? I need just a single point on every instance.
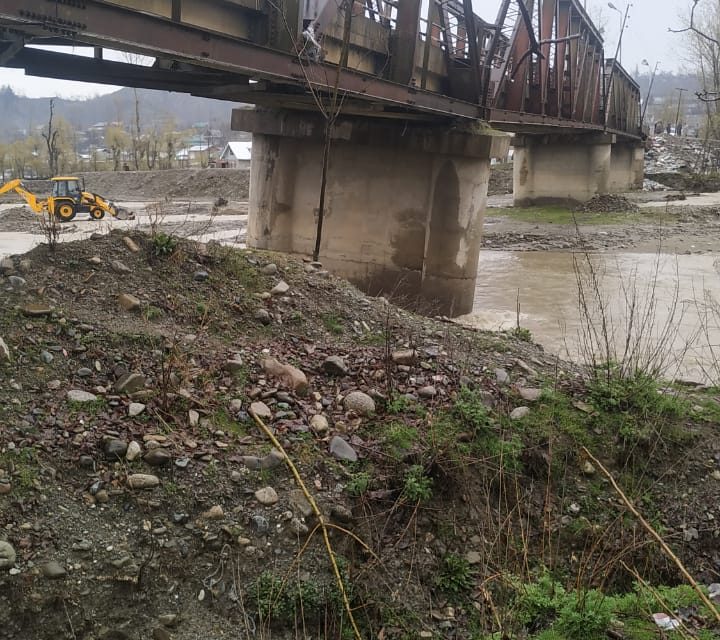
(664, 299)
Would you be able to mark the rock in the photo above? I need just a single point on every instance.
(473, 557)
(335, 366)
(133, 451)
(319, 423)
(270, 461)
(214, 513)
(588, 469)
(7, 555)
(359, 402)
(5, 488)
(266, 496)
(96, 260)
(169, 620)
(131, 245)
(289, 375)
(519, 413)
(235, 366)
(236, 405)
(502, 377)
(269, 269)
(341, 513)
(102, 496)
(128, 302)
(130, 383)
(297, 528)
(299, 503)
(261, 410)
(200, 276)
(404, 356)
(120, 267)
(690, 534)
(157, 457)
(16, 282)
(281, 288)
(161, 634)
(427, 392)
(4, 352)
(142, 481)
(78, 395)
(53, 570)
(262, 316)
(115, 449)
(135, 409)
(46, 357)
(342, 450)
(530, 395)
(36, 310)
(193, 418)
(7, 266)
(260, 523)
(84, 372)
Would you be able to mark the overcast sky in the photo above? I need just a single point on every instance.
(646, 37)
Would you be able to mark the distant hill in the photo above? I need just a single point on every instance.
(21, 114)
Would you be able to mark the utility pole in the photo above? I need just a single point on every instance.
(608, 86)
(647, 98)
(677, 117)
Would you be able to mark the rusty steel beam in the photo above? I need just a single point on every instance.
(100, 24)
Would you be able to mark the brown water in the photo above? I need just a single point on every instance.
(547, 286)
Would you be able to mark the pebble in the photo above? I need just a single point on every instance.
(473, 557)
(128, 302)
(157, 457)
(142, 481)
(588, 469)
(502, 377)
(133, 451)
(262, 316)
(46, 357)
(53, 570)
(131, 245)
(182, 463)
(269, 269)
(7, 266)
(266, 496)
(84, 372)
(7, 555)
(235, 366)
(161, 634)
(193, 418)
(115, 449)
(530, 395)
(261, 410)
(404, 357)
(341, 450)
(335, 366)
(130, 383)
(36, 310)
(169, 620)
(119, 267)
(297, 528)
(201, 276)
(4, 351)
(236, 405)
(78, 395)
(319, 423)
(280, 288)
(288, 374)
(427, 392)
(214, 513)
(519, 413)
(359, 402)
(260, 524)
(135, 409)
(5, 488)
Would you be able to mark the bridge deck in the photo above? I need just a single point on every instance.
(539, 67)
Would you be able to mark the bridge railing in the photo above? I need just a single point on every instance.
(622, 99)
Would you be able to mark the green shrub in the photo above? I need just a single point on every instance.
(417, 486)
(164, 244)
(358, 484)
(455, 579)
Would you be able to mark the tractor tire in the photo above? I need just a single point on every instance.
(65, 211)
(96, 213)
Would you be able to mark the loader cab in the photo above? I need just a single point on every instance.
(67, 187)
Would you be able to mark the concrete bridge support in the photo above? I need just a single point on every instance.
(404, 203)
(560, 169)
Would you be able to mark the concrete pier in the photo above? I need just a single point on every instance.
(569, 169)
(404, 202)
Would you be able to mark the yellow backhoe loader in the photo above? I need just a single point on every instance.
(67, 200)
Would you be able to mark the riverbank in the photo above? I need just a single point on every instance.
(139, 497)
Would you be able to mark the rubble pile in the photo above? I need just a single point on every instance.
(671, 154)
(607, 203)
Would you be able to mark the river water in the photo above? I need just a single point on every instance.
(672, 297)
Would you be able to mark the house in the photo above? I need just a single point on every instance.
(196, 155)
(235, 154)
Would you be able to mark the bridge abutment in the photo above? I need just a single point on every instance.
(570, 169)
(404, 203)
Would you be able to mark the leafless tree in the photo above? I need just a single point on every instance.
(51, 141)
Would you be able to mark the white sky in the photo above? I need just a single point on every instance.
(646, 37)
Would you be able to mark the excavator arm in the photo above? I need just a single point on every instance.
(37, 205)
(96, 201)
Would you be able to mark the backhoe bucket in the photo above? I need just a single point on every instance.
(125, 214)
